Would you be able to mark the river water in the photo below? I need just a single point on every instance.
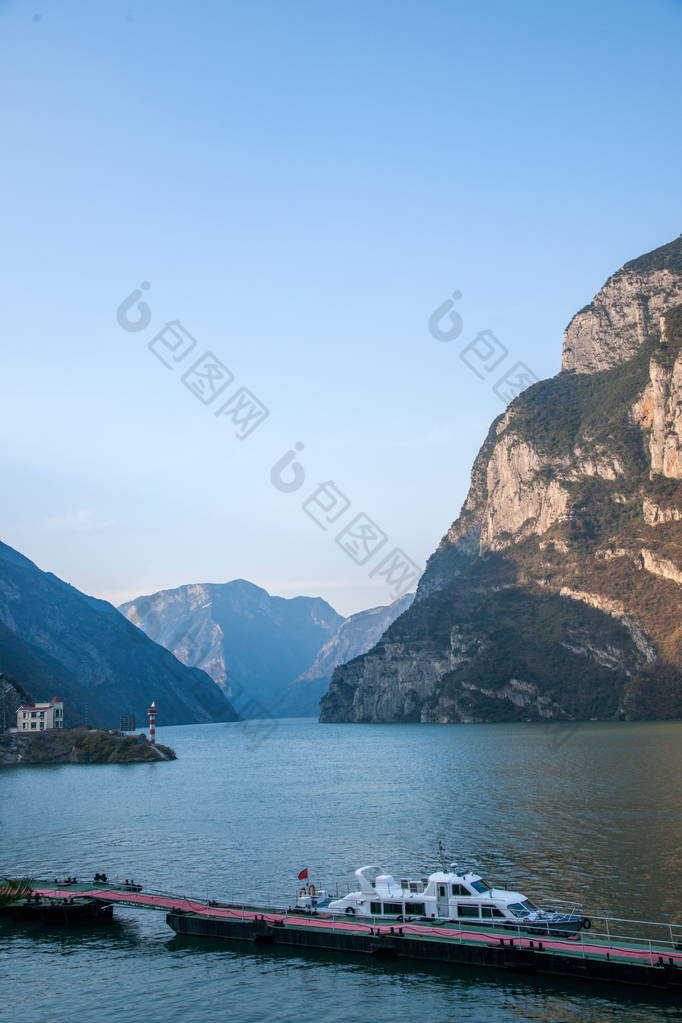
(592, 813)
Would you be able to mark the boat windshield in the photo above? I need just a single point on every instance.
(521, 908)
(481, 886)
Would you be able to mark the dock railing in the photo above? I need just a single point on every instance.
(651, 941)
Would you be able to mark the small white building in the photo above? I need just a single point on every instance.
(41, 717)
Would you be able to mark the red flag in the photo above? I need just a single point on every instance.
(303, 876)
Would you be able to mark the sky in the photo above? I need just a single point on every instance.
(302, 186)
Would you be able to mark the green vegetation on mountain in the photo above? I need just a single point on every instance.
(665, 257)
(589, 411)
(557, 593)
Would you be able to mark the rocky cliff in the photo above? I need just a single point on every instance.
(251, 643)
(354, 636)
(55, 640)
(12, 695)
(557, 593)
(625, 312)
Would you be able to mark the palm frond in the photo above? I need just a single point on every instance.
(14, 890)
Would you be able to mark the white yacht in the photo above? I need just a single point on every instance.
(454, 894)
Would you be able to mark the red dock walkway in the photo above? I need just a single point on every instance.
(627, 950)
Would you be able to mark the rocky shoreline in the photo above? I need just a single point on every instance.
(80, 746)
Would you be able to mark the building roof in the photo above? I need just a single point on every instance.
(38, 706)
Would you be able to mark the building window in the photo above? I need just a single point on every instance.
(33, 724)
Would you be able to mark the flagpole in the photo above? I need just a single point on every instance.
(303, 875)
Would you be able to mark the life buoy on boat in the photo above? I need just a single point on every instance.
(586, 923)
(312, 890)
(302, 892)
(350, 911)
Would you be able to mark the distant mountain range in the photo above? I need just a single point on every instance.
(56, 641)
(354, 636)
(204, 652)
(271, 655)
(251, 643)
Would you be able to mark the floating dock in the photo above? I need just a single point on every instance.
(598, 957)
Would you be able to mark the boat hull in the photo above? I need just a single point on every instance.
(567, 926)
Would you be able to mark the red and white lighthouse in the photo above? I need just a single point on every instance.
(152, 723)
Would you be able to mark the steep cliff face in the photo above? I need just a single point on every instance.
(251, 643)
(354, 636)
(620, 318)
(660, 410)
(557, 593)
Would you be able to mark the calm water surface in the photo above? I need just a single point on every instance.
(592, 814)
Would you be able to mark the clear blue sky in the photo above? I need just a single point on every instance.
(302, 184)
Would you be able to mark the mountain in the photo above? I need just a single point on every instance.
(557, 593)
(252, 644)
(55, 640)
(354, 636)
(12, 695)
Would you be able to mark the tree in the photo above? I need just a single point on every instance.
(13, 890)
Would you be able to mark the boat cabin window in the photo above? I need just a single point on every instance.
(521, 908)
(488, 912)
(442, 890)
(481, 886)
(397, 908)
(468, 911)
(459, 889)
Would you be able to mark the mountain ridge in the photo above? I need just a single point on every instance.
(555, 594)
(55, 639)
(253, 644)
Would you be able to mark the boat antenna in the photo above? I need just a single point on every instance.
(442, 855)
